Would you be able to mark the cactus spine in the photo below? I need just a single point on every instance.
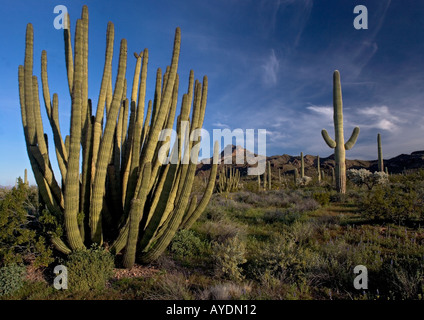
(338, 144)
(123, 193)
(380, 154)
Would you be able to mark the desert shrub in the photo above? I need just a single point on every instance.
(89, 269)
(336, 197)
(223, 230)
(404, 277)
(282, 259)
(170, 286)
(19, 238)
(186, 244)
(395, 203)
(303, 181)
(323, 198)
(226, 291)
(284, 216)
(364, 177)
(228, 256)
(11, 278)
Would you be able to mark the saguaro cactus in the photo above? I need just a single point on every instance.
(132, 190)
(380, 154)
(338, 144)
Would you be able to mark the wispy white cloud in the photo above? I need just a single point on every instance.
(325, 111)
(379, 117)
(270, 68)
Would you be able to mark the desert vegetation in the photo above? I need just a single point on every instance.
(291, 242)
(129, 225)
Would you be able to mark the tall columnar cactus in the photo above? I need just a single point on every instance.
(302, 166)
(269, 175)
(228, 180)
(319, 169)
(380, 154)
(338, 144)
(295, 176)
(117, 184)
(26, 177)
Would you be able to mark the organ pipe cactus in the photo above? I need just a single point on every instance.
(339, 144)
(115, 187)
(380, 154)
(228, 180)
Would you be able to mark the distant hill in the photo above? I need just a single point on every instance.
(287, 163)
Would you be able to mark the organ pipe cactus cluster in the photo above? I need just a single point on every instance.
(228, 180)
(338, 144)
(123, 192)
(380, 154)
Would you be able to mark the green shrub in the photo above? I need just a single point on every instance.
(186, 244)
(397, 203)
(323, 198)
(19, 236)
(228, 257)
(89, 269)
(11, 278)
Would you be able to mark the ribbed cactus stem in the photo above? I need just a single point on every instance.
(269, 175)
(122, 194)
(319, 169)
(380, 154)
(295, 176)
(26, 177)
(338, 144)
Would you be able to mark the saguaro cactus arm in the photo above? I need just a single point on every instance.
(330, 142)
(351, 142)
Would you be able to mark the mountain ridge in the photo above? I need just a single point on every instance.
(286, 162)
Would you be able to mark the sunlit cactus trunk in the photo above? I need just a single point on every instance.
(338, 144)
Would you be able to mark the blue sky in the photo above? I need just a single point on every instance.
(269, 64)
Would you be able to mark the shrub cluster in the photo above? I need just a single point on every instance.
(11, 278)
(89, 269)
